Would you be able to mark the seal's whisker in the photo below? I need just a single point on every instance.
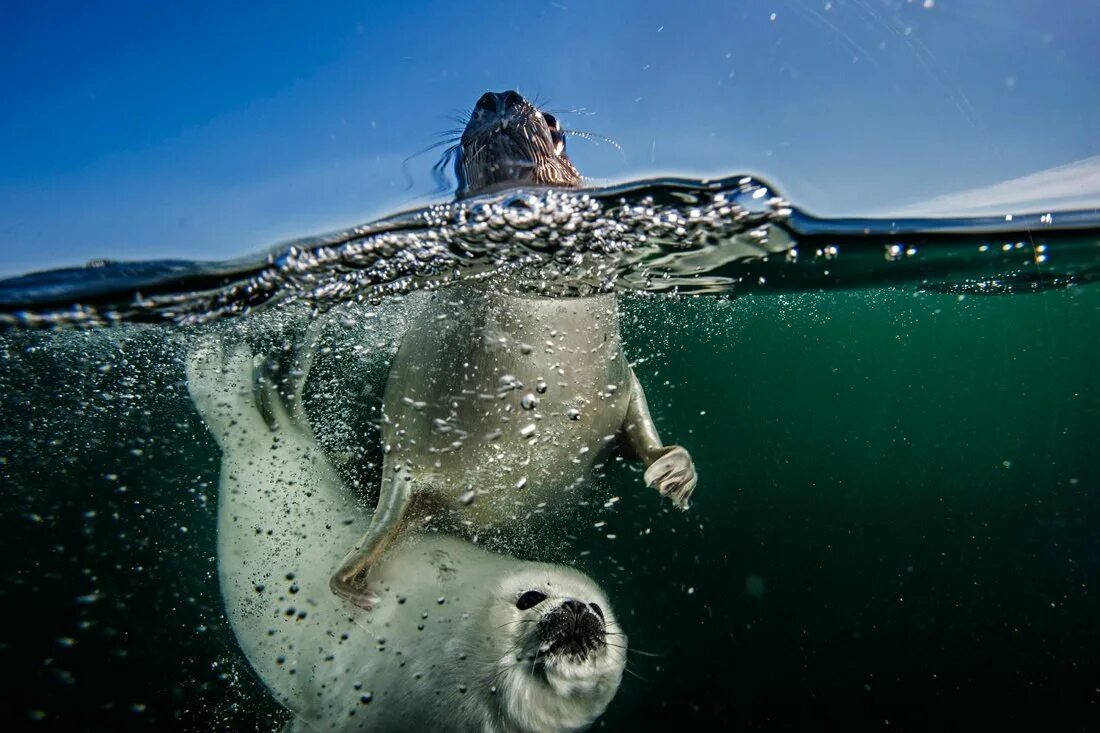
(439, 170)
(596, 139)
(461, 115)
(405, 162)
(519, 621)
(534, 661)
(632, 650)
(571, 111)
(626, 668)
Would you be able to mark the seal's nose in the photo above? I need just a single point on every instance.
(487, 102)
(572, 628)
(574, 613)
(494, 103)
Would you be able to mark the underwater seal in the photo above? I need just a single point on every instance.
(500, 401)
(466, 641)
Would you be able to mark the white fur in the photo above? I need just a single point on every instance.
(468, 663)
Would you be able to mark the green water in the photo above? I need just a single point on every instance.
(895, 525)
(913, 481)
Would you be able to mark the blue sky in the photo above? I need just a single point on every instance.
(136, 130)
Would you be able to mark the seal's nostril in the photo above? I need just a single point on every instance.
(511, 99)
(487, 102)
(576, 608)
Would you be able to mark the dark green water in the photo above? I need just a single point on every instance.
(896, 525)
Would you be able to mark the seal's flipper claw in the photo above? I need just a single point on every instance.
(360, 596)
(307, 350)
(673, 475)
(273, 398)
(302, 362)
(681, 496)
(281, 379)
(350, 580)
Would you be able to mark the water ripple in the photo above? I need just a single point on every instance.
(730, 235)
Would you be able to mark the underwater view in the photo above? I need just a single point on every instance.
(793, 433)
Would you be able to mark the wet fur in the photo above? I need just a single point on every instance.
(284, 517)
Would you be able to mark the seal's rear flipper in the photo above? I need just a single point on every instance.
(222, 389)
(303, 362)
(282, 384)
(350, 581)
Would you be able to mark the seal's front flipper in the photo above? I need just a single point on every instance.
(350, 581)
(669, 469)
(673, 475)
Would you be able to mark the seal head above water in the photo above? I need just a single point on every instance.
(509, 142)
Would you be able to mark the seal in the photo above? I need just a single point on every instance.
(467, 640)
(499, 401)
(508, 142)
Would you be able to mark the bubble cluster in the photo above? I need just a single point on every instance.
(550, 241)
(675, 236)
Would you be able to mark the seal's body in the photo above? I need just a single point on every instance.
(465, 640)
(503, 403)
(499, 401)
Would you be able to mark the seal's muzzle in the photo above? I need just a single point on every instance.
(573, 628)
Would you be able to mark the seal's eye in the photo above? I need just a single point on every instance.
(599, 611)
(530, 599)
(557, 135)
